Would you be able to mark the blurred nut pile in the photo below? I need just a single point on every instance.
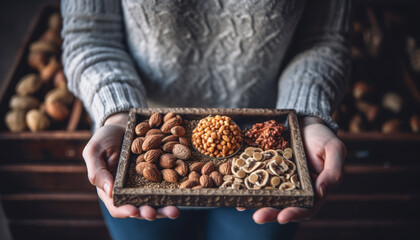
(217, 136)
(384, 87)
(258, 169)
(41, 99)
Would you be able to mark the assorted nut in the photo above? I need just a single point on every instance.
(42, 96)
(161, 148)
(217, 136)
(258, 169)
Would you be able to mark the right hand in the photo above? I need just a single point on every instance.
(101, 155)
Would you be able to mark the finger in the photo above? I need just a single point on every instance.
(240, 209)
(98, 173)
(332, 174)
(265, 215)
(147, 213)
(124, 211)
(294, 214)
(168, 212)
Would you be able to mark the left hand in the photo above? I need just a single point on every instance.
(326, 154)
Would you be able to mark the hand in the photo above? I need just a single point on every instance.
(325, 153)
(101, 155)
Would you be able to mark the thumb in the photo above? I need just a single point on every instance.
(97, 169)
(332, 174)
(326, 181)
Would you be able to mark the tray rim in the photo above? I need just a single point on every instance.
(303, 197)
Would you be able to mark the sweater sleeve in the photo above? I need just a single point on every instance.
(315, 79)
(99, 70)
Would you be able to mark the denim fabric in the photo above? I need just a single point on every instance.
(209, 224)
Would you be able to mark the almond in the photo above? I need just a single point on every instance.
(182, 152)
(167, 160)
(225, 168)
(151, 142)
(217, 178)
(181, 168)
(167, 126)
(169, 146)
(168, 116)
(152, 174)
(184, 141)
(154, 132)
(140, 158)
(194, 176)
(142, 165)
(142, 128)
(152, 155)
(208, 168)
(136, 146)
(170, 175)
(188, 184)
(178, 131)
(179, 118)
(205, 181)
(170, 138)
(155, 120)
(196, 166)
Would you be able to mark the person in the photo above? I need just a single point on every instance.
(207, 53)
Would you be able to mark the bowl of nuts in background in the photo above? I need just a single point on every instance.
(213, 157)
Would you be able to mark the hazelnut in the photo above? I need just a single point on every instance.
(36, 120)
(15, 120)
(57, 111)
(28, 85)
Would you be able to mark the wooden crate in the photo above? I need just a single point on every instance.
(45, 192)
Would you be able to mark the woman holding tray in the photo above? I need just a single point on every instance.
(282, 54)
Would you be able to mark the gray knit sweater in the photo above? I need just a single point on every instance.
(207, 53)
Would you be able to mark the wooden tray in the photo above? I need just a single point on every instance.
(129, 190)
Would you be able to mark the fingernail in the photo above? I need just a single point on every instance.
(106, 188)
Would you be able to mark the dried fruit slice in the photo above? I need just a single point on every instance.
(257, 156)
(287, 155)
(240, 162)
(291, 166)
(287, 186)
(253, 166)
(294, 179)
(228, 178)
(249, 151)
(277, 169)
(240, 173)
(262, 177)
(288, 150)
(275, 181)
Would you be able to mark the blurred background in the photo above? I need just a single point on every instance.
(45, 193)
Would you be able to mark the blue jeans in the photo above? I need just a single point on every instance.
(209, 224)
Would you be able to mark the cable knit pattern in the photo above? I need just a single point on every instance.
(206, 53)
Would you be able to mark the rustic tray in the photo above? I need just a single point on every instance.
(130, 189)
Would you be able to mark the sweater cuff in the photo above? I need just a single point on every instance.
(308, 99)
(112, 98)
